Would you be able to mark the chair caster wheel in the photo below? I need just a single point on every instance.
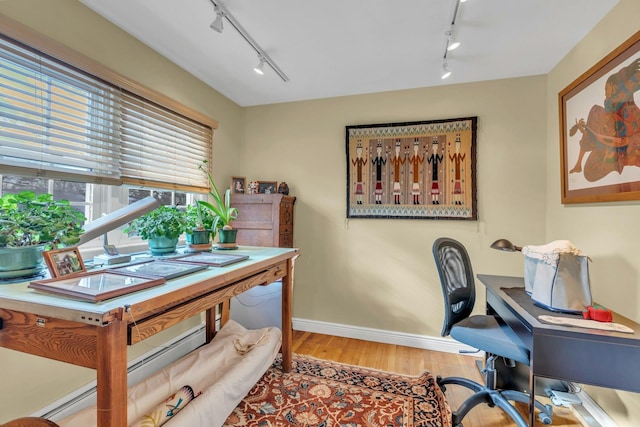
(545, 416)
(545, 419)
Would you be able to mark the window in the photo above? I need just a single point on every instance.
(61, 122)
(73, 128)
(56, 121)
(95, 200)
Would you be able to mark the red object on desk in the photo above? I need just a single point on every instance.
(598, 312)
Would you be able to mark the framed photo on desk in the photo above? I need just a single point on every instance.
(159, 268)
(63, 262)
(95, 286)
(208, 258)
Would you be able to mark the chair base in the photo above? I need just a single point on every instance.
(493, 397)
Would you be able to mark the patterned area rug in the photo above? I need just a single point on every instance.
(324, 393)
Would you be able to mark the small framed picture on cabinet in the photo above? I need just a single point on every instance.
(238, 184)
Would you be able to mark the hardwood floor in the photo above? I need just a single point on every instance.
(412, 361)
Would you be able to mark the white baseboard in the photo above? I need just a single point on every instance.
(388, 337)
(598, 414)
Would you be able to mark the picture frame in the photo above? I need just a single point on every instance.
(238, 184)
(413, 170)
(64, 262)
(210, 258)
(599, 157)
(95, 286)
(267, 187)
(159, 268)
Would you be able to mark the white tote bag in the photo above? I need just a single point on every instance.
(556, 275)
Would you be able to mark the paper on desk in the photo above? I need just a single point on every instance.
(584, 323)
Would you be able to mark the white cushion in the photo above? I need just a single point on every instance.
(217, 370)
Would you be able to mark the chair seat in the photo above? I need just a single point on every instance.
(485, 333)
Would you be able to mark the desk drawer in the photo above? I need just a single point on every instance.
(147, 327)
(587, 361)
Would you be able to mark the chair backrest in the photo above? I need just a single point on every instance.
(456, 278)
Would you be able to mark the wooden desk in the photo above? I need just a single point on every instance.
(587, 356)
(96, 335)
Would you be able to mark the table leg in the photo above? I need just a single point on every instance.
(532, 399)
(112, 374)
(287, 312)
(211, 318)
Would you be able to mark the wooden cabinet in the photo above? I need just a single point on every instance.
(264, 219)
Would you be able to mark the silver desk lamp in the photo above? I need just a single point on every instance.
(505, 245)
(113, 220)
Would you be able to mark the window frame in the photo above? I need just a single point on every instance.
(59, 52)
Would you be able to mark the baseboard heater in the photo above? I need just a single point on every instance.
(138, 369)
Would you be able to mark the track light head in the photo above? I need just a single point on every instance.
(451, 42)
(216, 25)
(259, 69)
(222, 13)
(445, 71)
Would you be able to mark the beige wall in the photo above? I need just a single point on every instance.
(379, 273)
(608, 232)
(29, 383)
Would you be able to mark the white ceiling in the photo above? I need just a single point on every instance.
(343, 47)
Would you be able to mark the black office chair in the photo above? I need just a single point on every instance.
(483, 332)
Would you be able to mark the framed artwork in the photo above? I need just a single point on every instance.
(159, 268)
(209, 258)
(238, 184)
(414, 170)
(63, 262)
(95, 286)
(267, 187)
(600, 130)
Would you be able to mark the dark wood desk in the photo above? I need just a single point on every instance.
(96, 335)
(586, 356)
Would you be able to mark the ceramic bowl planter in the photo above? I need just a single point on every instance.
(199, 224)
(199, 240)
(223, 212)
(162, 245)
(31, 223)
(226, 239)
(161, 227)
(227, 236)
(22, 261)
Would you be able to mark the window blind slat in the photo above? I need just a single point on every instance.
(58, 120)
(157, 143)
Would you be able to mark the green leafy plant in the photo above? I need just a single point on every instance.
(165, 221)
(27, 219)
(221, 206)
(199, 218)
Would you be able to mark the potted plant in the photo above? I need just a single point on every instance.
(199, 227)
(31, 223)
(222, 210)
(162, 227)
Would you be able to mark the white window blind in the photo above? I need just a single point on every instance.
(56, 121)
(160, 146)
(60, 122)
